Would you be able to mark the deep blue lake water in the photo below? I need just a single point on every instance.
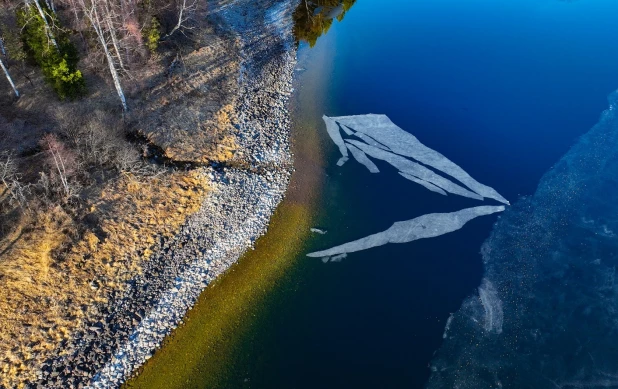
(501, 87)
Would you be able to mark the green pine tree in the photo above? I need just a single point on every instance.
(59, 65)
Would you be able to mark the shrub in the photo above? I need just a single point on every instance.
(152, 35)
(59, 65)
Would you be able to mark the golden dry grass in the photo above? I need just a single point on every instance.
(190, 110)
(219, 146)
(43, 298)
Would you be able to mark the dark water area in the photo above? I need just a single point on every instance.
(545, 313)
(503, 89)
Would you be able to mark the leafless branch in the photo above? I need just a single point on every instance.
(184, 14)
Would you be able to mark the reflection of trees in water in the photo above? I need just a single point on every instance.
(314, 18)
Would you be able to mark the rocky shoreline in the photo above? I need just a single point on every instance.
(235, 213)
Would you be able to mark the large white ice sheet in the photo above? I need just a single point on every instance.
(384, 131)
(412, 168)
(426, 226)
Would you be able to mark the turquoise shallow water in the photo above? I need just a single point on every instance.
(503, 88)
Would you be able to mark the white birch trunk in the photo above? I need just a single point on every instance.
(48, 30)
(63, 179)
(51, 5)
(96, 24)
(179, 24)
(8, 77)
(114, 40)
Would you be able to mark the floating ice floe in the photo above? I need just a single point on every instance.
(379, 132)
(336, 258)
(426, 184)
(333, 131)
(361, 158)
(426, 226)
(317, 231)
(347, 130)
(369, 140)
(414, 169)
(375, 136)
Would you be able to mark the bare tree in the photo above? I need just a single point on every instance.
(61, 160)
(184, 14)
(131, 30)
(10, 178)
(78, 23)
(126, 158)
(8, 169)
(98, 18)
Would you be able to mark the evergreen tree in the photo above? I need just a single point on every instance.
(54, 54)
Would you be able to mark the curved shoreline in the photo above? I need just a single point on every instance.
(234, 214)
(232, 315)
(241, 204)
(261, 196)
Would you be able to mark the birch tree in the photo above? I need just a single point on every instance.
(62, 162)
(112, 33)
(8, 77)
(184, 12)
(99, 21)
(51, 5)
(5, 69)
(48, 30)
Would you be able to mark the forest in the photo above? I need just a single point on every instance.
(62, 56)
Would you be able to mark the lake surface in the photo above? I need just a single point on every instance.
(503, 89)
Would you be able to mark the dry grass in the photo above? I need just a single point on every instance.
(218, 146)
(189, 111)
(44, 298)
(56, 267)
